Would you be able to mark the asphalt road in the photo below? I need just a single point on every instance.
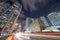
(40, 38)
(43, 38)
(34, 38)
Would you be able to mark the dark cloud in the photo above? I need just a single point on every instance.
(33, 4)
(34, 8)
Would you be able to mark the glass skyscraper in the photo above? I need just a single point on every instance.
(45, 22)
(54, 18)
(28, 23)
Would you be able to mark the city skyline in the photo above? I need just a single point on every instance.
(30, 20)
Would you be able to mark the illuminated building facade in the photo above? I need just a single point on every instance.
(44, 21)
(11, 17)
(36, 25)
(28, 22)
(54, 18)
(4, 7)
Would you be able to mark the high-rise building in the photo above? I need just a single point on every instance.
(36, 25)
(53, 18)
(4, 7)
(11, 17)
(28, 22)
(43, 19)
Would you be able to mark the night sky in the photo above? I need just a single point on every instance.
(44, 7)
(43, 10)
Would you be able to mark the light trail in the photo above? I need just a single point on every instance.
(21, 36)
(40, 35)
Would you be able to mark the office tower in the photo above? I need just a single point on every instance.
(42, 27)
(4, 7)
(11, 16)
(36, 25)
(54, 18)
(58, 18)
(43, 19)
(28, 22)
